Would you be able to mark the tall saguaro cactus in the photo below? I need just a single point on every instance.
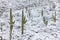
(11, 23)
(23, 21)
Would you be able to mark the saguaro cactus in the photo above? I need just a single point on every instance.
(23, 21)
(11, 23)
(45, 21)
(54, 17)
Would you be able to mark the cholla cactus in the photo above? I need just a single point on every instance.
(23, 21)
(11, 23)
(45, 21)
(54, 17)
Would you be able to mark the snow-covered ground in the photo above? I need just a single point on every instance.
(34, 28)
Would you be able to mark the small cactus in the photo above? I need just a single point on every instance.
(29, 14)
(46, 22)
(54, 5)
(42, 12)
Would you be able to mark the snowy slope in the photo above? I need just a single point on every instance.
(34, 28)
